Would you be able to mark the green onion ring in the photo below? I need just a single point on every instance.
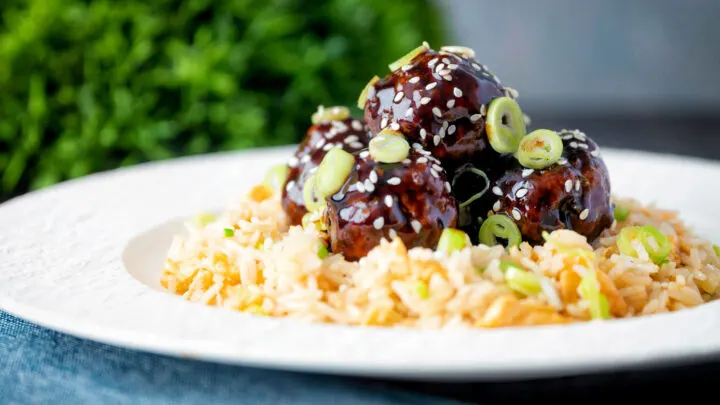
(362, 99)
(389, 146)
(505, 125)
(337, 113)
(539, 149)
(312, 202)
(475, 196)
(656, 244)
(451, 239)
(499, 226)
(276, 177)
(421, 288)
(333, 171)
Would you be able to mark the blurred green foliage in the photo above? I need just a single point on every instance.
(87, 86)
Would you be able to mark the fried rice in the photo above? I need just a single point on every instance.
(248, 259)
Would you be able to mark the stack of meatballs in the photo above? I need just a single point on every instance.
(439, 147)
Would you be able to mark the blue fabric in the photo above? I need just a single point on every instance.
(40, 366)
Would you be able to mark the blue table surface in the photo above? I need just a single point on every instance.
(40, 366)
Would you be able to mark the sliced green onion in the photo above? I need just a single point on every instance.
(389, 146)
(716, 248)
(422, 291)
(621, 213)
(569, 250)
(322, 251)
(364, 93)
(460, 50)
(475, 196)
(204, 218)
(520, 280)
(589, 290)
(337, 113)
(333, 171)
(312, 202)
(540, 149)
(408, 57)
(656, 244)
(229, 232)
(276, 177)
(499, 226)
(505, 125)
(451, 239)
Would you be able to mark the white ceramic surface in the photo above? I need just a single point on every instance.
(64, 252)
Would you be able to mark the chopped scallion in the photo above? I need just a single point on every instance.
(229, 232)
(205, 218)
(421, 288)
(333, 171)
(621, 213)
(499, 226)
(451, 239)
(322, 251)
(589, 290)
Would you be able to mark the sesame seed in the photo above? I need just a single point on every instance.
(389, 201)
(436, 140)
(357, 145)
(357, 125)
(451, 103)
(414, 80)
(407, 161)
(512, 92)
(394, 181)
(577, 185)
(431, 86)
(452, 66)
(527, 172)
(476, 66)
(446, 60)
(579, 136)
(306, 158)
(331, 133)
(483, 109)
(422, 159)
(562, 161)
(393, 234)
(567, 137)
(595, 153)
(439, 67)
(293, 161)
(445, 72)
(416, 145)
(290, 185)
(425, 152)
(373, 176)
(441, 133)
(423, 133)
(351, 139)
(475, 117)
(451, 130)
(359, 186)
(584, 214)
(327, 147)
(573, 144)
(445, 124)
(583, 145)
(405, 68)
(521, 193)
(399, 96)
(424, 100)
(516, 214)
(457, 92)
(384, 122)
(447, 77)
(432, 63)
(447, 187)
(568, 185)
(496, 190)
(497, 206)
(409, 112)
(434, 173)
(369, 186)
(364, 154)
(416, 225)
(378, 223)
(437, 112)
(341, 127)
(395, 126)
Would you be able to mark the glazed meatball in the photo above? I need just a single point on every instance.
(573, 193)
(439, 100)
(349, 134)
(409, 199)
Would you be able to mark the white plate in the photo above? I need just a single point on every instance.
(61, 266)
